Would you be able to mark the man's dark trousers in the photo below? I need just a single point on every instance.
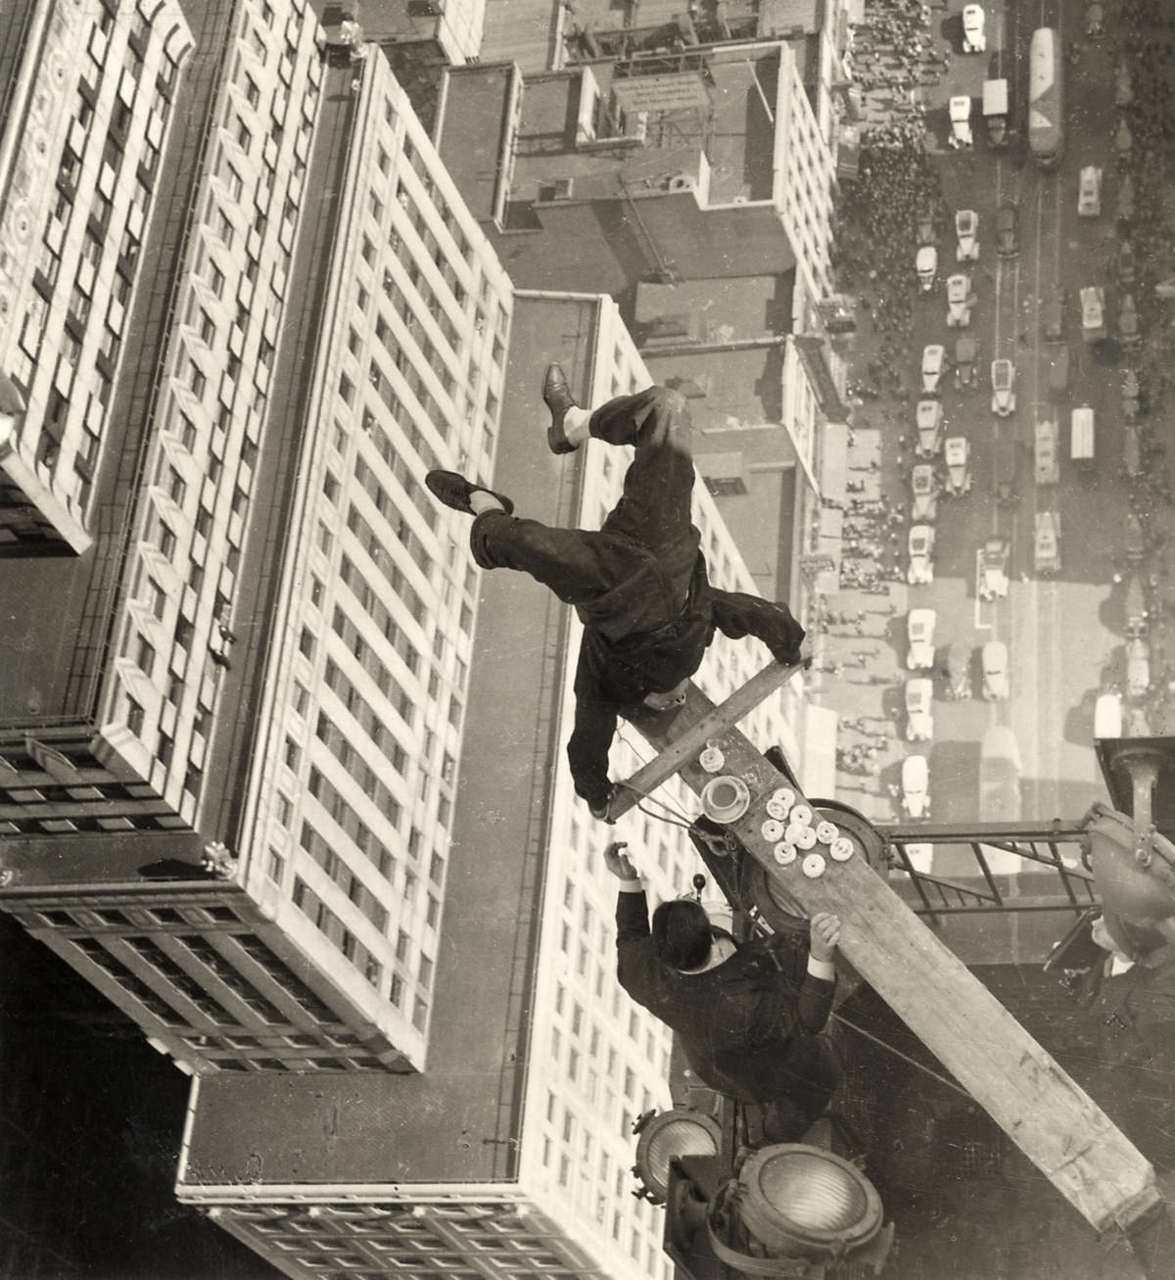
(633, 575)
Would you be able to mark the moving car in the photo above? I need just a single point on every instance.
(921, 548)
(1123, 85)
(925, 225)
(1003, 379)
(928, 419)
(1131, 393)
(966, 355)
(1128, 331)
(1089, 192)
(974, 35)
(1135, 538)
(933, 359)
(993, 578)
(1093, 309)
(1138, 667)
(1058, 358)
(967, 231)
(1131, 451)
(919, 714)
(920, 628)
(1127, 272)
(1046, 457)
(1095, 19)
(1125, 209)
(916, 786)
(959, 301)
(1007, 218)
(926, 266)
(1052, 316)
(995, 671)
(960, 113)
(958, 670)
(995, 111)
(925, 488)
(958, 460)
(1046, 543)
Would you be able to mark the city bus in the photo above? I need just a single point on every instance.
(1045, 98)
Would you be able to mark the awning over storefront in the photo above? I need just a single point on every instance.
(833, 471)
(817, 763)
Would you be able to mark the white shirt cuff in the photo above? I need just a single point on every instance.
(821, 969)
(632, 886)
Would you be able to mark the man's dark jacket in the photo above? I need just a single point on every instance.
(749, 1026)
(618, 673)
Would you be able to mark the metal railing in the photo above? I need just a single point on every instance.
(1056, 851)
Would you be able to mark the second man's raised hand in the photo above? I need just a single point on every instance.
(825, 935)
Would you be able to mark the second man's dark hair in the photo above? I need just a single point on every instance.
(681, 933)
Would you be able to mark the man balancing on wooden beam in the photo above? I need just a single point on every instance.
(639, 584)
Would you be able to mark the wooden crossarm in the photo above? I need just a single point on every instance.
(691, 741)
(1037, 1104)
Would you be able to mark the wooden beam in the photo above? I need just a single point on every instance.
(691, 741)
(1054, 1122)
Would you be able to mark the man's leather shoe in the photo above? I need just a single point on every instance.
(558, 398)
(454, 491)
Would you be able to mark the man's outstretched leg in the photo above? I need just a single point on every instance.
(655, 507)
(574, 564)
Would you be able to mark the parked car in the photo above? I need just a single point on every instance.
(995, 671)
(958, 670)
(916, 787)
(974, 34)
(993, 577)
(920, 624)
(959, 108)
(958, 459)
(1052, 316)
(926, 266)
(1093, 319)
(1058, 358)
(928, 419)
(1007, 243)
(933, 359)
(1003, 381)
(924, 508)
(919, 710)
(1046, 543)
(921, 548)
(1046, 453)
(967, 232)
(1089, 192)
(960, 300)
(1128, 331)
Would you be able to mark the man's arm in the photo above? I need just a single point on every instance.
(816, 992)
(587, 750)
(737, 614)
(636, 961)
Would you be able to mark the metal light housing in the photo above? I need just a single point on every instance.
(797, 1200)
(667, 1137)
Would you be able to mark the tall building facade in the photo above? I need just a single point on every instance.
(510, 1154)
(230, 743)
(87, 111)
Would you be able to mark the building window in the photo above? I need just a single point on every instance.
(134, 716)
(145, 657)
(275, 866)
(292, 753)
(306, 643)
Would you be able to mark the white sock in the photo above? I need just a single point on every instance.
(575, 424)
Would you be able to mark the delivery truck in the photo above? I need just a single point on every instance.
(995, 111)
